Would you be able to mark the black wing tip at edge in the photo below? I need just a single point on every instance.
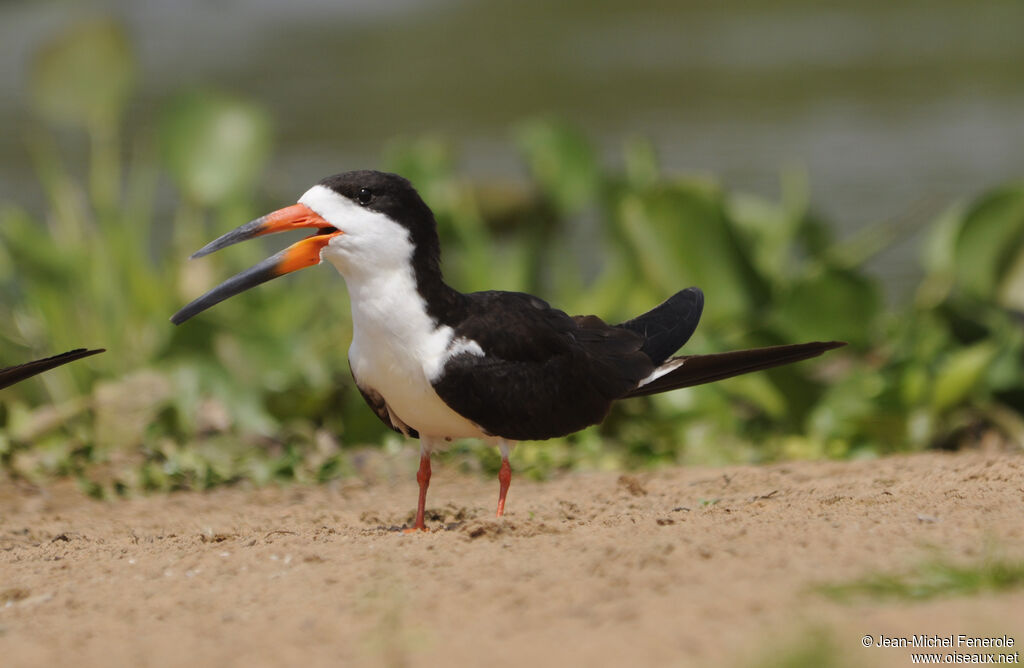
(20, 372)
(670, 324)
(70, 356)
(702, 369)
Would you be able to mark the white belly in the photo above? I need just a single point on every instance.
(402, 377)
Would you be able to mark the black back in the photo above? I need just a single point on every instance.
(543, 373)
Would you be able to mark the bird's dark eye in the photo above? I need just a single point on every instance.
(365, 195)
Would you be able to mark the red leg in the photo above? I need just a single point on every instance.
(504, 478)
(423, 478)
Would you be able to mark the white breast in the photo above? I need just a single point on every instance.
(397, 351)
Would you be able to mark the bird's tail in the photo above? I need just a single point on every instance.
(690, 370)
(13, 374)
(670, 324)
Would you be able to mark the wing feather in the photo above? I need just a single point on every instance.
(14, 374)
(543, 373)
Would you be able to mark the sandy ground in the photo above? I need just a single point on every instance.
(693, 566)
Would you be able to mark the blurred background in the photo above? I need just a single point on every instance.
(846, 170)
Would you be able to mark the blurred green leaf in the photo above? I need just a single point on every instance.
(938, 257)
(771, 230)
(847, 404)
(827, 305)
(772, 227)
(677, 235)
(914, 383)
(84, 76)
(938, 252)
(428, 163)
(562, 162)
(214, 145)
(990, 241)
(1011, 289)
(960, 374)
(641, 163)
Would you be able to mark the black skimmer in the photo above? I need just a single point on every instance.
(436, 364)
(14, 374)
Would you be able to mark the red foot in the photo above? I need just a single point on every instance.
(423, 478)
(415, 530)
(504, 478)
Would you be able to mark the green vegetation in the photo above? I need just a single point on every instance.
(814, 648)
(258, 388)
(933, 579)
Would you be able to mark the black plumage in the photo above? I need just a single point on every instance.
(543, 373)
(14, 374)
(700, 369)
(669, 325)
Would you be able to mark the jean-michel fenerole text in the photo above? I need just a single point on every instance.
(932, 640)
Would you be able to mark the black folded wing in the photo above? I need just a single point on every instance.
(14, 374)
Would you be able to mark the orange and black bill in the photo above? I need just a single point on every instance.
(305, 253)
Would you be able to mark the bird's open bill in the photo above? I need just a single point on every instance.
(305, 253)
